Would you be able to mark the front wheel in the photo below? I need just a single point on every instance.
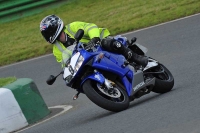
(113, 100)
(164, 79)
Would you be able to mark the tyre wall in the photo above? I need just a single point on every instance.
(20, 104)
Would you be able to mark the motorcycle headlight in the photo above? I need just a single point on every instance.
(79, 63)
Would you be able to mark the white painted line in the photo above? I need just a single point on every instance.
(65, 109)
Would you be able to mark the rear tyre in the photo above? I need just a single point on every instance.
(164, 79)
(115, 102)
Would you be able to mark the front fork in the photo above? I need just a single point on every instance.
(96, 76)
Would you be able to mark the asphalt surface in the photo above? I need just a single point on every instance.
(175, 44)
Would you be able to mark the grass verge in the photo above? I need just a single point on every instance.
(21, 39)
(8, 80)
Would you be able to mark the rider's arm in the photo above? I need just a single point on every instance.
(90, 29)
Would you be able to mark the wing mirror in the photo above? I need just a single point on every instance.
(52, 78)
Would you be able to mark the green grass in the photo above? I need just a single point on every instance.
(8, 80)
(21, 39)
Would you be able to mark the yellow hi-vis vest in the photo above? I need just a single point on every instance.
(90, 30)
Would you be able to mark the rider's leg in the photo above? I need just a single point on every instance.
(114, 46)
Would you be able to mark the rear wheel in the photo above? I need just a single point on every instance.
(115, 99)
(164, 79)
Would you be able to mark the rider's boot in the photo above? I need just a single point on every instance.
(112, 45)
(130, 55)
(138, 59)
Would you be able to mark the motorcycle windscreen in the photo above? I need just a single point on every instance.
(66, 55)
(71, 66)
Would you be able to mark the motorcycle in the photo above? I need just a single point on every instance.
(108, 79)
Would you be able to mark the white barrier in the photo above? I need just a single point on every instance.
(11, 115)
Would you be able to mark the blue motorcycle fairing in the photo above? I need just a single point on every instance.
(110, 62)
(96, 77)
(114, 64)
(87, 56)
(107, 65)
(130, 76)
(128, 85)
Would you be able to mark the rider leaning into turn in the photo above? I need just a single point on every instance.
(62, 36)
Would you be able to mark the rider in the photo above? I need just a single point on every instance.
(62, 36)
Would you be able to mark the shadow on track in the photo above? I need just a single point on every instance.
(138, 102)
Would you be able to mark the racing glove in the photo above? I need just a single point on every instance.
(94, 41)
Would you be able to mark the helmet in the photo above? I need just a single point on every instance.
(50, 27)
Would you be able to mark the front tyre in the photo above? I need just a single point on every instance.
(115, 101)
